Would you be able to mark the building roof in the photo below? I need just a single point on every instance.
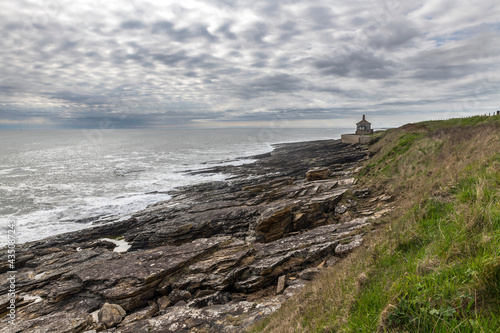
(363, 122)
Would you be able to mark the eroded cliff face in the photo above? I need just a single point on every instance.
(215, 258)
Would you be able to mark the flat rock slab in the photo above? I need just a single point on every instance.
(148, 265)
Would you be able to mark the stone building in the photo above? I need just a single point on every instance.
(364, 127)
(363, 131)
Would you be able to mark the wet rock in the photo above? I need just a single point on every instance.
(318, 174)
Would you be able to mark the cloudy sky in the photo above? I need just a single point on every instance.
(212, 63)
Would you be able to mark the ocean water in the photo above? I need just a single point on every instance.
(55, 181)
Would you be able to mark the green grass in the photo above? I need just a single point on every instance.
(437, 277)
(461, 122)
(442, 273)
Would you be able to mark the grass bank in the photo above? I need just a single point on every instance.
(434, 263)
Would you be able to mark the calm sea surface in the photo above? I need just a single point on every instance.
(54, 181)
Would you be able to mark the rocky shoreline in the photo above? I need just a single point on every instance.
(217, 257)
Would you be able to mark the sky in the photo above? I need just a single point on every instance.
(222, 63)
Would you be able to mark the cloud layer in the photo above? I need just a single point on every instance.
(72, 64)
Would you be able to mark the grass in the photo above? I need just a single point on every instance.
(435, 266)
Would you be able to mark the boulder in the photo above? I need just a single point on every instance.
(318, 174)
(340, 209)
(274, 222)
(110, 315)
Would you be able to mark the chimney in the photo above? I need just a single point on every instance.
(363, 117)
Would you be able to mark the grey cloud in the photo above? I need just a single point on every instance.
(289, 29)
(281, 62)
(321, 16)
(183, 34)
(225, 30)
(67, 45)
(356, 64)
(256, 33)
(79, 98)
(395, 34)
(444, 72)
(162, 26)
(277, 114)
(278, 83)
(358, 21)
(170, 59)
(204, 61)
(260, 59)
(132, 24)
(447, 63)
(287, 26)
(190, 74)
(92, 54)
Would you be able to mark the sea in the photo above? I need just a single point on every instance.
(56, 181)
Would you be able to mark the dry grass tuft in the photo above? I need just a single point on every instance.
(362, 280)
(428, 265)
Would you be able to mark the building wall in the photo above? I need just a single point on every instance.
(355, 138)
(365, 139)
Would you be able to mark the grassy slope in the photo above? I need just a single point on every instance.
(434, 264)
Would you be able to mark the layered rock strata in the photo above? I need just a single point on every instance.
(209, 259)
